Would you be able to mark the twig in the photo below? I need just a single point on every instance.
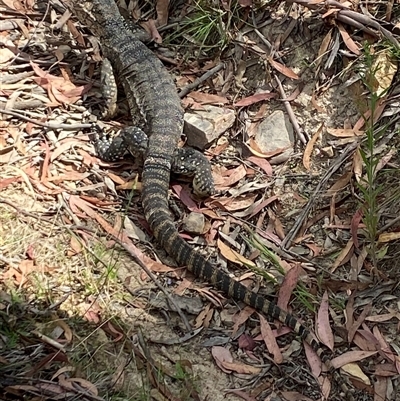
(9, 262)
(290, 112)
(188, 88)
(368, 21)
(49, 340)
(78, 392)
(352, 18)
(70, 127)
(13, 78)
(24, 212)
(24, 105)
(66, 207)
(335, 166)
(388, 225)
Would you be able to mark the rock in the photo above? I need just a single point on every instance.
(202, 127)
(275, 132)
(194, 223)
(328, 150)
(133, 231)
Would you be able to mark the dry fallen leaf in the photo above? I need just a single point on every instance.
(385, 68)
(344, 255)
(240, 367)
(207, 98)
(235, 204)
(75, 245)
(258, 97)
(230, 177)
(344, 132)
(204, 317)
(25, 268)
(310, 146)
(241, 393)
(241, 318)
(367, 115)
(348, 41)
(283, 69)
(288, 285)
(220, 355)
(162, 12)
(385, 369)
(354, 370)
(313, 360)
(58, 88)
(68, 334)
(254, 148)
(351, 356)
(233, 256)
(270, 340)
(387, 237)
(355, 224)
(323, 48)
(246, 342)
(294, 396)
(6, 55)
(340, 183)
(384, 317)
(86, 384)
(381, 388)
(358, 322)
(262, 163)
(357, 165)
(323, 328)
(15, 5)
(67, 144)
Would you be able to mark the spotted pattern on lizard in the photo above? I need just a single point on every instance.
(185, 161)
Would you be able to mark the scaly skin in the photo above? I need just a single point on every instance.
(150, 89)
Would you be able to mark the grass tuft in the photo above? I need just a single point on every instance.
(368, 184)
(207, 26)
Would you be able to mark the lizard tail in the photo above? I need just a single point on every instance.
(156, 210)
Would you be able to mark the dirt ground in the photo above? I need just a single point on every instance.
(80, 319)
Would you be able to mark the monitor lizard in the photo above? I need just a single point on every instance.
(151, 91)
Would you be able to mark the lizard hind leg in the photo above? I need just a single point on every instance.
(185, 161)
(108, 148)
(136, 140)
(130, 139)
(190, 162)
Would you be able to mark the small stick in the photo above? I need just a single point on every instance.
(388, 225)
(24, 105)
(290, 112)
(70, 127)
(352, 18)
(49, 341)
(188, 88)
(333, 168)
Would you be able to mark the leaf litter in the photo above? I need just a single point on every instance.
(58, 169)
